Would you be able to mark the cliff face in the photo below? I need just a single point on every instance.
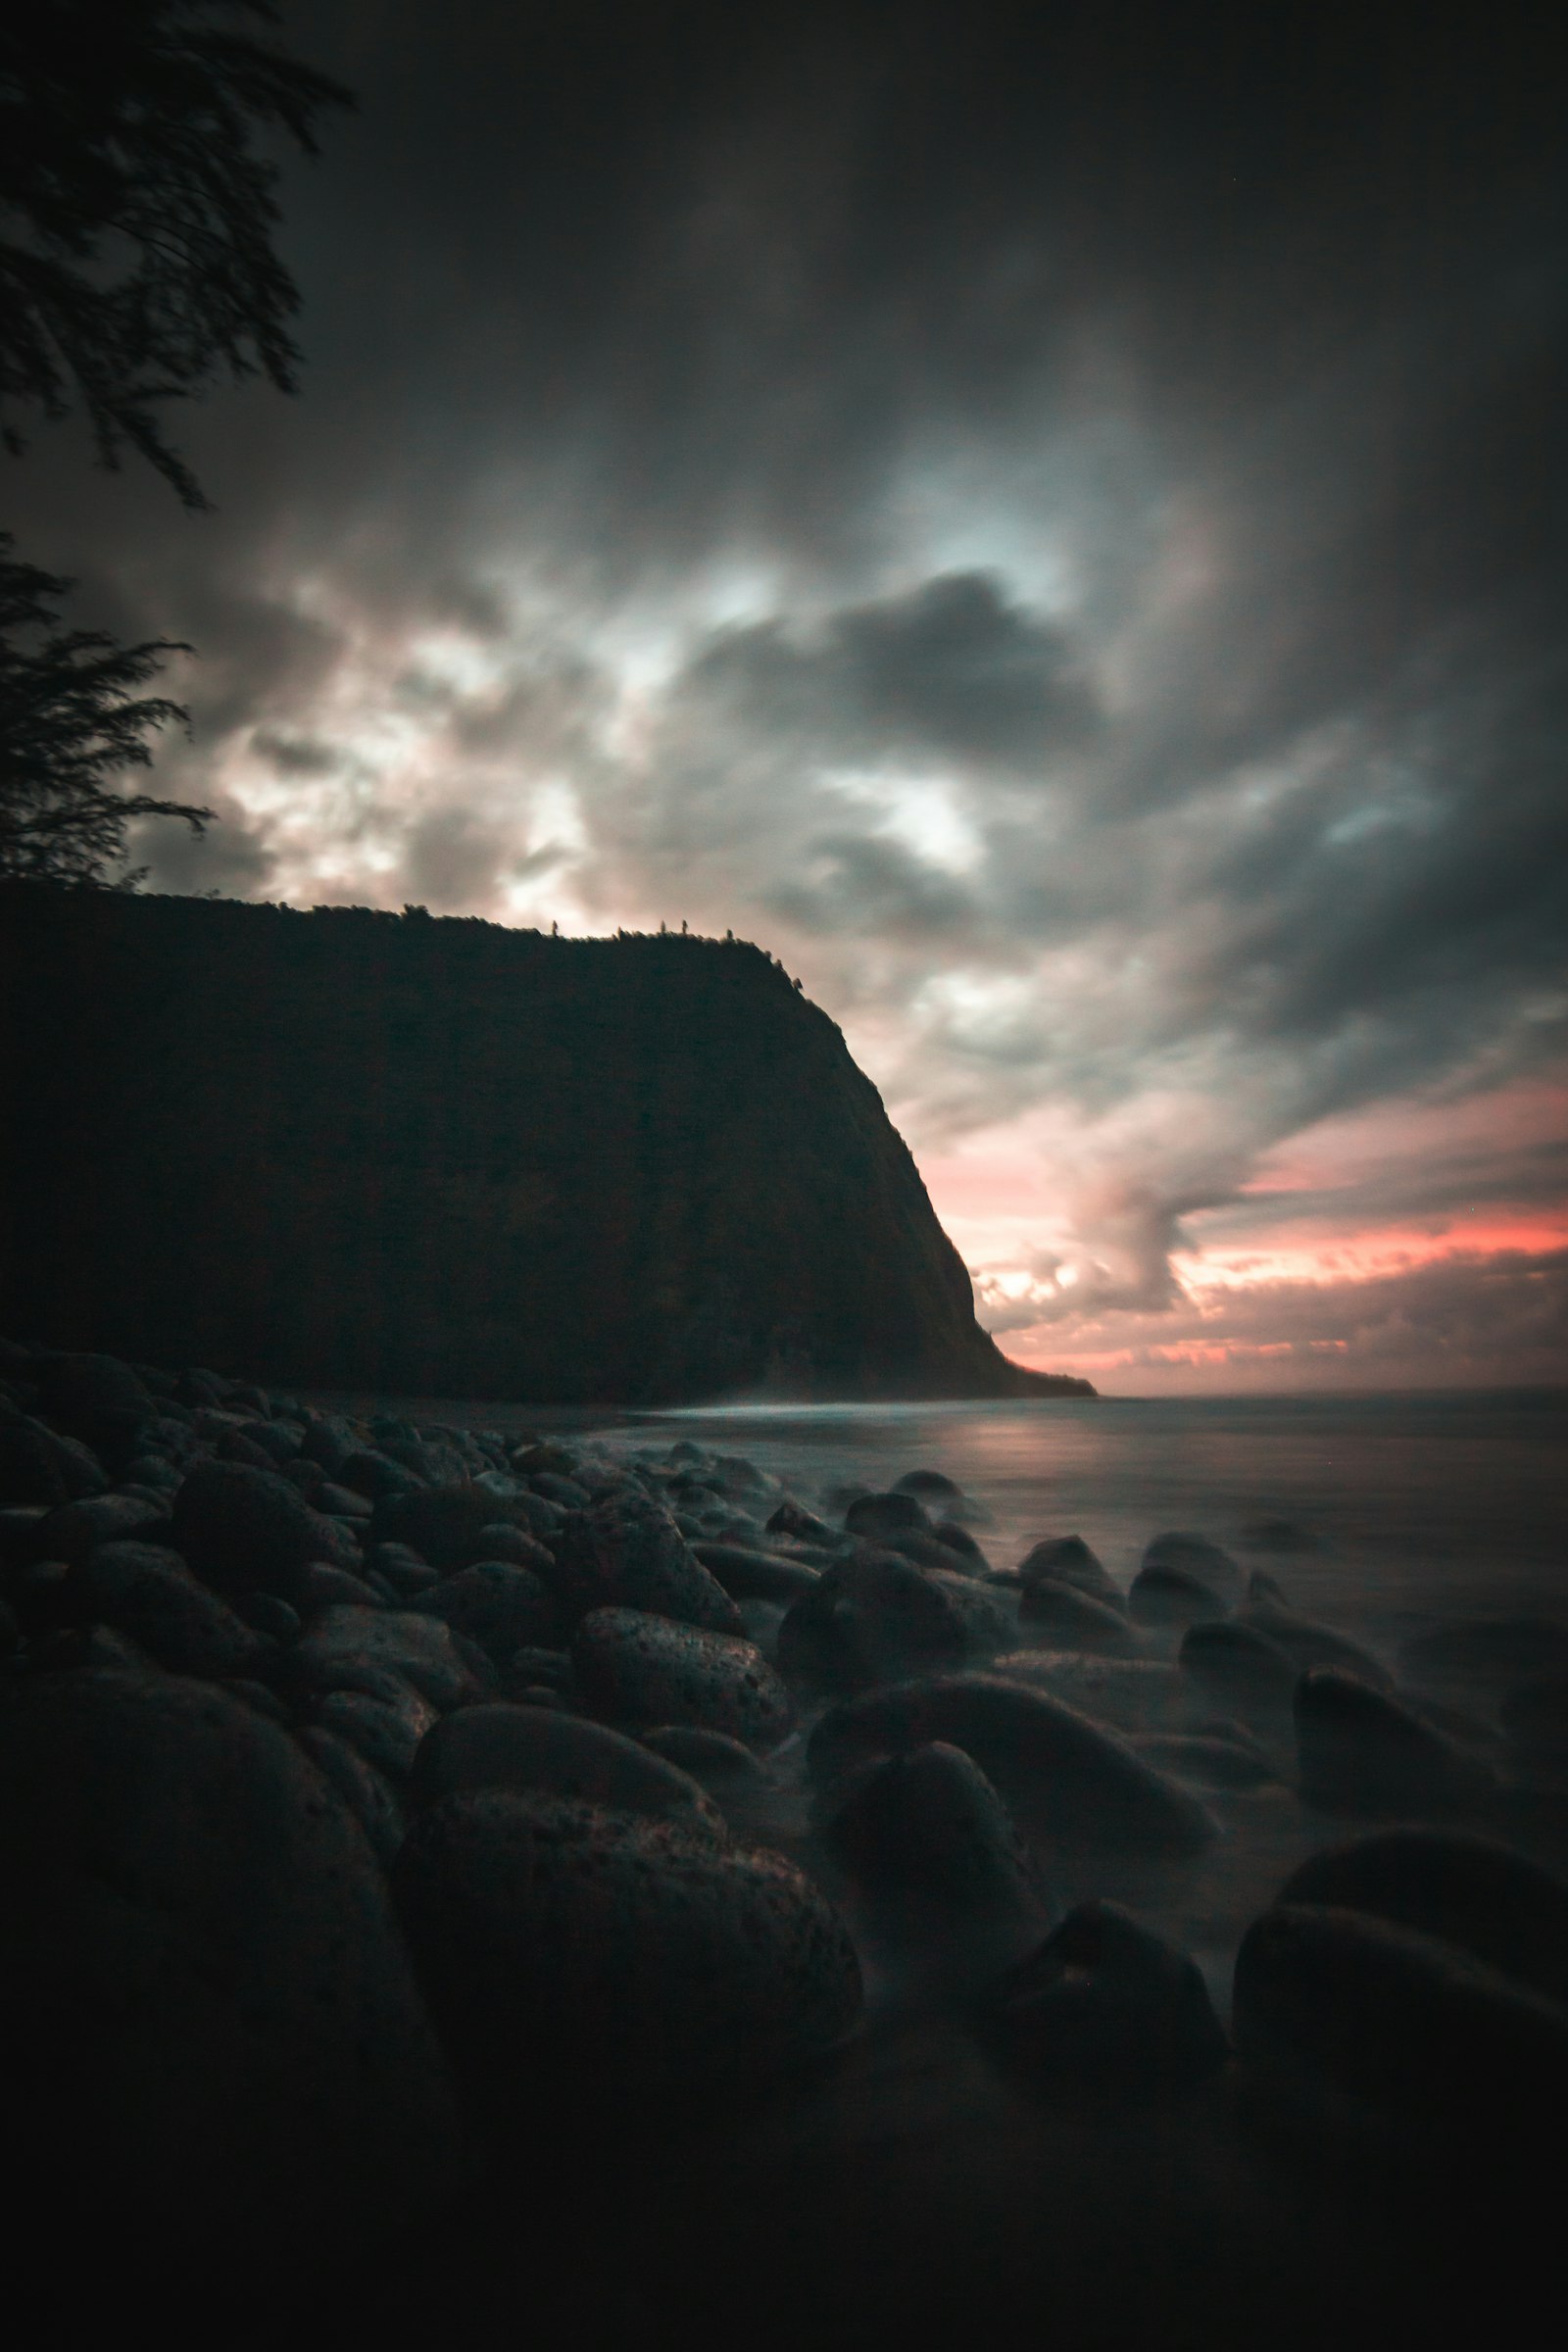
(356, 1150)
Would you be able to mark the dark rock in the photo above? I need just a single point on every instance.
(1208, 1563)
(259, 1694)
(367, 1795)
(385, 1731)
(1162, 1596)
(373, 1474)
(1307, 1644)
(217, 2005)
(1502, 1909)
(1362, 1752)
(149, 1593)
(1338, 2002)
(1106, 2002)
(1073, 1618)
(648, 1670)
(340, 1502)
(557, 1755)
(791, 1519)
(502, 1607)
(1068, 1560)
(1138, 1694)
(96, 1399)
(1205, 1760)
(988, 1624)
(74, 1531)
(38, 1465)
(714, 1760)
(874, 1617)
(420, 1649)
(442, 1524)
(957, 1539)
(605, 1957)
(627, 1552)
(402, 1567)
(927, 1549)
(235, 1447)
(1077, 1782)
(308, 1476)
(875, 1516)
(926, 1827)
(1240, 1667)
(44, 1593)
(324, 1587)
(747, 1574)
(927, 1482)
(88, 1649)
(533, 1664)
(240, 1528)
(501, 1541)
(556, 1489)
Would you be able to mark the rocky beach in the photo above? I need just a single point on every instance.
(462, 1877)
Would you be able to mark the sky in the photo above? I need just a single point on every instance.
(1051, 520)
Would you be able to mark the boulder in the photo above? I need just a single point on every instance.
(149, 1593)
(75, 1531)
(1198, 1557)
(1068, 1560)
(1305, 1644)
(368, 1795)
(1073, 1619)
(1361, 1751)
(240, 1528)
(1172, 1595)
(875, 1617)
(748, 1574)
(575, 1954)
(384, 1727)
(443, 1524)
(418, 1648)
(626, 1552)
(1207, 1761)
(1135, 1694)
(875, 1517)
(97, 1398)
(1105, 2003)
(221, 2024)
(645, 1669)
(1239, 1668)
(509, 1747)
(40, 1465)
(724, 1766)
(501, 1606)
(926, 1828)
(1075, 1781)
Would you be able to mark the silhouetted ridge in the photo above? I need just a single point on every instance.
(353, 1149)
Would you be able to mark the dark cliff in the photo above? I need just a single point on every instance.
(357, 1150)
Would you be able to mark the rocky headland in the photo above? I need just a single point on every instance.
(358, 1150)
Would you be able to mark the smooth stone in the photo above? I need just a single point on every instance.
(534, 1663)
(515, 1746)
(627, 1551)
(96, 1399)
(385, 1731)
(401, 1566)
(555, 1487)
(501, 1606)
(748, 1574)
(646, 1670)
(926, 1827)
(223, 2036)
(873, 1517)
(240, 1528)
(1199, 1557)
(1207, 1762)
(1105, 2003)
(1163, 1596)
(1135, 1694)
(1239, 1666)
(568, 1951)
(37, 1465)
(720, 1764)
(503, 1542)
(1361, 1751)
(367, 1795)
(988, 1624)
(326, 1587)
(875, 1617)
(1306, 1643)
(957, 1539)
(1068, 1560)
(792, 1519)
(372, 1474)
(927, 1549)
(1078, 1781)
(1508, 1912)
(1072, 1618)
(420, 1649)
(443, 1523)
(927, 1482)
(74, 1531)
(149, 1593)
(1336, 2001)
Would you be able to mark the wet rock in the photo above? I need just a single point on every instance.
(1496, 1905)
(1305, 1644)
(533, 1664)
(724, 1766)
(149, 1593)
(324, 1587)
(502, 1541)
(385, 1729)
(1132, 1693)
(340, 1502)
(364, 1790)
(374, 1475)
(74, 1531)
(97, 1398)
(1077, 1780)
(988, 1624)
(502, 1607)
(240, 1528)
(928, 1484)
(874, 1617)
(1240, 1667)
(420, 1649)
(443, 1524)
(39, 1466)
(748, 1574)
(927, 1549)
(646, 1670)
(400, 1566)
(512, 1747)
(874, 1517)
(1339, 2003)
(626, 1552)
(221, 2024)
(568, 1951)
(1106, 2002)
(1074, 1619)
(1198, 1557)
(1361, 1751)
(928, 1827)
(1162, 1596)
(791, 1519)
(1068, 1560)
(265, 1614)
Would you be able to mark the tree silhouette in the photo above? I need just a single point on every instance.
(136, 214)
(69, 717)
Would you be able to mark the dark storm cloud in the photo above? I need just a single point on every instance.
(1051, 517)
